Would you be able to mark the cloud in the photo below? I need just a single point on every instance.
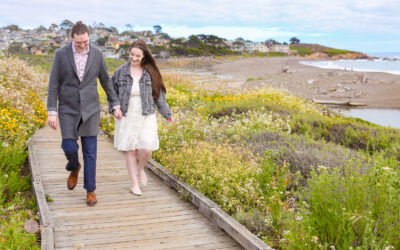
(300, 15)
(251, 19)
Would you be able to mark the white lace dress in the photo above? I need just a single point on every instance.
(136, 131)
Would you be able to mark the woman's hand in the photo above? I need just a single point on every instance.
(117, 113)
(170, 120)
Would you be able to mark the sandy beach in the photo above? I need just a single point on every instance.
(376, 90)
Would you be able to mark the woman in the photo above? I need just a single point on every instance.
(140, 88)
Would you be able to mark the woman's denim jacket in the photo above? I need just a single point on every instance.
(122, 82)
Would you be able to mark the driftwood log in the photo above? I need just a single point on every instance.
(337, 102)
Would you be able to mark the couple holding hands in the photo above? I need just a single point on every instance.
(133, 93)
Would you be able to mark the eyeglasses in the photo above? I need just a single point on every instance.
(80, 43)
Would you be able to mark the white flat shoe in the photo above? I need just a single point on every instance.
(136, 192)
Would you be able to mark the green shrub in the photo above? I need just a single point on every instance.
(334, 52)
(349, 208)
(301, 51)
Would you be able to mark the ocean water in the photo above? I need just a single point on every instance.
(384, 117)
(388, 62)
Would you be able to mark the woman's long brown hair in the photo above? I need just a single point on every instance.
(148, 63)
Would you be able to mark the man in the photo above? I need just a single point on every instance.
(73, 82)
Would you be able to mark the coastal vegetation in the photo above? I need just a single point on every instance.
(305, 49)
(294, 173)
(301, 51)
(21, 113)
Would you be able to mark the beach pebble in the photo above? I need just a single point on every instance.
(311, 81)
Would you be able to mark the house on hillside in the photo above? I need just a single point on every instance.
(111, 53)
(112, 42)
(229, 44)
(40, 50)
(262, 48)
(3, 44)
(279, 48)
(145, 33)
(249, 46)
(161, 42)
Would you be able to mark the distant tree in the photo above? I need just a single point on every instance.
(270, 42)
(194, 42)
(53, 27)
(285, 43)
(129, 27)
(66, 24)
(12, 27)
(239, 41)
(113, 30)
(157, 29)
(294, 40)
(165, 36)
(211, 39)
(41, 28)
(176, 42)
(102, 41)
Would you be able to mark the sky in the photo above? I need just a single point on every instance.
(360, 25)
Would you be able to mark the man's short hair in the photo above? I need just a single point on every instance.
(79, 28)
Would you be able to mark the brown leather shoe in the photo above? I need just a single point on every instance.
(73, 178)
(91, 199)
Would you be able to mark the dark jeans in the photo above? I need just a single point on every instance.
(89, 150)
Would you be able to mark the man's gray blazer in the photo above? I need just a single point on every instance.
(78, 99)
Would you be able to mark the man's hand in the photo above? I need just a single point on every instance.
(117, 114)
(170, 120)
(52, 121)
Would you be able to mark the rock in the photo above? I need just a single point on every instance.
(310, 81)
(31, 226)
(285, 69)
(317, 55)
(351, 55)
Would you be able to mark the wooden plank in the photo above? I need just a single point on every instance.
(164, 243)
(105, 235)
(223, 245)
(145, 226)
(168, 238)
(121, 193)
(47, 237)
(114, 214)
(110, 218)
(46, 221)
(148, 206)
(125, 211)
(122, 222)
(105, 204)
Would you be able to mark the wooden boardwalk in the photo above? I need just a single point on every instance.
(159, 219)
